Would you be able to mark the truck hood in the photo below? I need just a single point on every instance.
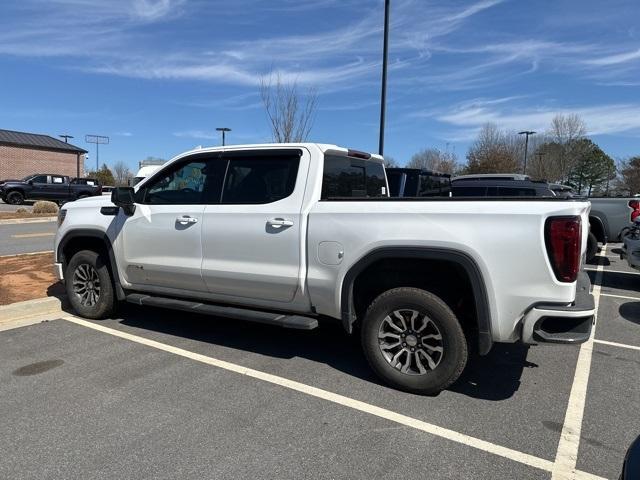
(95, 201)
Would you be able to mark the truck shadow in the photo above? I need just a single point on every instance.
(493, 377)
(630, 311)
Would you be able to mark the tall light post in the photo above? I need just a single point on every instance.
(383, 96)
(526, 133)
(223, 130)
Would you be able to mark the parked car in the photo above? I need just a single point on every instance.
(289, 234)
(416, 182)
(499, 186)
(631, 245)
(45, 186)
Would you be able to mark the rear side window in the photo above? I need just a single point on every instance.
(468, 191)
(264, 179)
(516, 192)
(351, 177)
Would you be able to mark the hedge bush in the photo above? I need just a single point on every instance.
(45, 207)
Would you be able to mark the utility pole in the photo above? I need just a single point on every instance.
(526, 133)
(223, 130)
(66, 137)
(97, 139)
(383, 96)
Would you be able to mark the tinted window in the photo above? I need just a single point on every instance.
(468, 191)
(395, 182)
(411, 187)
(263, 179)
(433, 186)
(183, 185)
(516, 192)
(39, 179)
(349, 177)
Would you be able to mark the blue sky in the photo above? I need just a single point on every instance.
(158, 76)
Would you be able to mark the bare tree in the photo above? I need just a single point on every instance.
(629, 179)
(565, 132)
(434, 159)
(291, 118)
(121, 173)
(390, 162)
(494, 151)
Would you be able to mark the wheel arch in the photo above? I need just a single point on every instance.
(90, 239)
(597, 227)
(460, 259)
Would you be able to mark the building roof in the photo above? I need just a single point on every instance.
(36, 140)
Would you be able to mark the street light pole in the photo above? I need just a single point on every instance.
(526, 133)
(223, 130)
(383, 96)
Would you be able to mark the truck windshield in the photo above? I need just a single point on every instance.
(352, 177)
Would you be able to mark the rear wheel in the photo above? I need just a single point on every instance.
(413, 341)
(89, 285)
(15, 198)
(592, 247)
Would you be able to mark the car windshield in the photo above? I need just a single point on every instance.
(27, 178)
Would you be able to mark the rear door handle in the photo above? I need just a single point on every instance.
(280, 222)
(185, 219)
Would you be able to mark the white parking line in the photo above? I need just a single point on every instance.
(619, 296)
(615, 344)
(611, 271)
(516, 456)
(564, 466)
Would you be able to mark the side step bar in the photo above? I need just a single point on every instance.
(297, 322)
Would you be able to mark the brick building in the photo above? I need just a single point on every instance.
(22, 154)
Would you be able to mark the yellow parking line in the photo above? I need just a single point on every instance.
(33, 235)
(451, 435)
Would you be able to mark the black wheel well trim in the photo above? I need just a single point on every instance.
(483, 312)
(602, 226)
(102, 236)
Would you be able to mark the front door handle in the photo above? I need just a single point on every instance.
(280, 222)
(186, 219)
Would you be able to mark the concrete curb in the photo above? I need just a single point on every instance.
(30, 308)
(13, 221)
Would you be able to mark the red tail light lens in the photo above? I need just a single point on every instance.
(635, 206)
(563, 237)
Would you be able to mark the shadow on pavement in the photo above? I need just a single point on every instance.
(630, 311)
(493, 377)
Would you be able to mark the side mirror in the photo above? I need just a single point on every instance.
(123, 197)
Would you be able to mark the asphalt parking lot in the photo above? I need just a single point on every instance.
(17, 238)
(161, 394)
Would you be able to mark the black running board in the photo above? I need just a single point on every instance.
(297, 322)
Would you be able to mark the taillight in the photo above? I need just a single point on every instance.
(635, 209)
(563, 237)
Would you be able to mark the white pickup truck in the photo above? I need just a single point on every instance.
(291, 234)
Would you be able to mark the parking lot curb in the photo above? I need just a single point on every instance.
(12, 221)
(30, 308)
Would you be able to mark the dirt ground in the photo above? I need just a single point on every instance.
(26, 277)
(13, 215)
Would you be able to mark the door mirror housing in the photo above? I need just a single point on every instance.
(123, 197)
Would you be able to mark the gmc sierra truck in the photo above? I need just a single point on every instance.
(289, 234)
(44, 186)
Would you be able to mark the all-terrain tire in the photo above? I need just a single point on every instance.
(396, 307)
(89, 285)
(15, 198)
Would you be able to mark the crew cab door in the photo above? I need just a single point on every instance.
(41, 188)
(161, 243)
(252, 240)
(59, 189)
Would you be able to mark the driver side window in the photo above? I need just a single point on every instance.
(184, 185)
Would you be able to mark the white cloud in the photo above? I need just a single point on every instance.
(615, 59)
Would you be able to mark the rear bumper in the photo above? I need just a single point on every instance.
(562, 323)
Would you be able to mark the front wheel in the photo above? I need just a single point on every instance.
(413, 341)
(15, 198)
(89, 285)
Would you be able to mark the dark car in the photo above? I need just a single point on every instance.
(45, 186)
(416, 182)
(499, 186)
